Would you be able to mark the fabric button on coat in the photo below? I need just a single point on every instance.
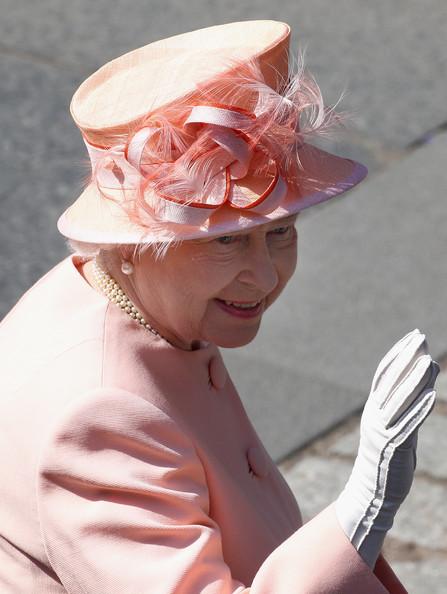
(258, 461)
(217, 372)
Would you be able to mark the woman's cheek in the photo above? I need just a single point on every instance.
(286, 270)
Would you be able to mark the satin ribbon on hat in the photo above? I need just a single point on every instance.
(120, 167)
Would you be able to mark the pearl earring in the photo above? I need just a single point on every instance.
(126, 267)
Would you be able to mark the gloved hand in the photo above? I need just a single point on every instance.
(401, 398)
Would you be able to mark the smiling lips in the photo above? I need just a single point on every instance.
(241, 309)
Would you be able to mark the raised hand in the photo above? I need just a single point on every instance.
(401, 398)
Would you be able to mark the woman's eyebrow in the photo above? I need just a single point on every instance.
(271, 225)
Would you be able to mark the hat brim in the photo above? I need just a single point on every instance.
(95, 219)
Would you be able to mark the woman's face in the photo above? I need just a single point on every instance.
(215, 290)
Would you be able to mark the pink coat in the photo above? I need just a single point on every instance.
(128, 466)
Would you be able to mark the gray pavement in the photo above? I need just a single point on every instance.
(372, 263)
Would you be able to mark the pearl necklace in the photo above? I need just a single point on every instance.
(114, 293)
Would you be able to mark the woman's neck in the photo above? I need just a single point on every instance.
(87, 271)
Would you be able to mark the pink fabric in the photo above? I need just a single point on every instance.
(125, 470)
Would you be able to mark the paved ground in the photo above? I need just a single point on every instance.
(372, 263)
(417, 544)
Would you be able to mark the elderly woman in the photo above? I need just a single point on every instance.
(128, 463)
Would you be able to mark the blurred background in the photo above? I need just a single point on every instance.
(372, 263)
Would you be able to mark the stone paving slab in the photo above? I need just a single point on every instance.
(34, 116)
(316, 481)
(422, 518)
(41, 155)
(390, 55)
(288, 407)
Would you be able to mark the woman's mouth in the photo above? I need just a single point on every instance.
(241, 309)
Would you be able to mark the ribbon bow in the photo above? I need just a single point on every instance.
(192, 180)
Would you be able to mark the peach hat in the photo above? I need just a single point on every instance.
(199, 135)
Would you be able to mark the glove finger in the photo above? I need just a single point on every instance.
(399, 367)
(418, 379)
(390, 356)
(413, 418)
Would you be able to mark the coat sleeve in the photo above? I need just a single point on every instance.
(124, 509)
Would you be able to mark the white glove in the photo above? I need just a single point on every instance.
(401, 398)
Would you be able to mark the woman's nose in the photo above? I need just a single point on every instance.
(259, 270)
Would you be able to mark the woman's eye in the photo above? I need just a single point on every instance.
(282, 230)
(226, 239)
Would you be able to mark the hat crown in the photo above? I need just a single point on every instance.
(165, 71)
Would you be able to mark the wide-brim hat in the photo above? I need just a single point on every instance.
(202, 134)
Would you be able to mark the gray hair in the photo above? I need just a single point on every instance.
(90, 250)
